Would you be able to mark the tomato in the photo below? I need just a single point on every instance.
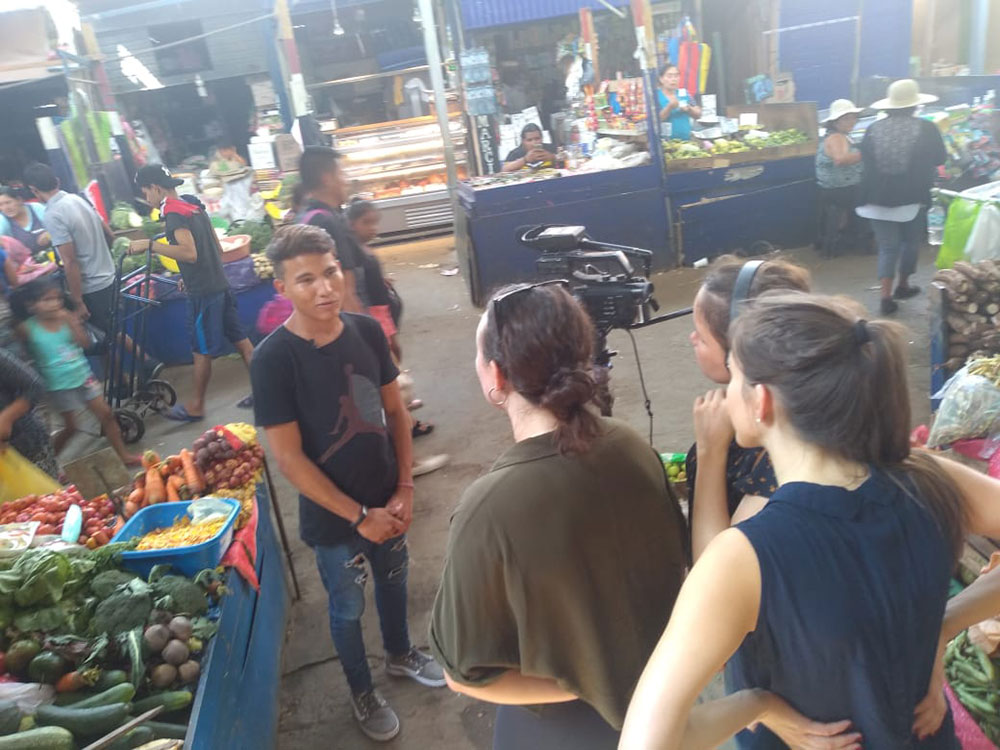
(23, 517)
(82, 539)
(91, 543)
(88, 513)
(102, 537)
(63, 505)
(47, 528)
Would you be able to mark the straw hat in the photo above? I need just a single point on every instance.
(903, 94)
(841, 107)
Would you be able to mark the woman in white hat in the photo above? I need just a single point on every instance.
(838, 174)
(900, 154)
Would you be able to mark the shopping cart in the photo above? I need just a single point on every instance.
(130, 390)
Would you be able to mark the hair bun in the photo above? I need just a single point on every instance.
(568, 391)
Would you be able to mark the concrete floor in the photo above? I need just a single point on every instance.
(437, 339)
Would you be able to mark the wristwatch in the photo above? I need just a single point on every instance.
(361, 518)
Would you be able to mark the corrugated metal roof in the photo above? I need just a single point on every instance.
(479, 14)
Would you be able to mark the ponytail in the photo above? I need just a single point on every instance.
(842, 382)
(544, 349)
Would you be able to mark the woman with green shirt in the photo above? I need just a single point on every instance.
(565, 559)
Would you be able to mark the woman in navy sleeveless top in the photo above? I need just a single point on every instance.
(831, 603)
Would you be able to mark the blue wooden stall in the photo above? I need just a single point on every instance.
(236, 704)
(732, 208)
(624, 206)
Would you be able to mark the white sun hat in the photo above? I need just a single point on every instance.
(841, 107)
(903, 94)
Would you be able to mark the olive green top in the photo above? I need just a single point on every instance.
(563, 567)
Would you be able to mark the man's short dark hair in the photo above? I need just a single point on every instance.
(41, 177)
(298, 239)
(315, 162)
(530, 128)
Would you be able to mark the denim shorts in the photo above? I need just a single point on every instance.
(75, 399)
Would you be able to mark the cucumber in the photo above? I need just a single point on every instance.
(133, 738)
(46, 738)
(71, 699)
(164, 730)
(109, 678)
(171, 701)
(86, 722)
(118, 694)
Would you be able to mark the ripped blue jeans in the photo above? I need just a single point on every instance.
(344, 572)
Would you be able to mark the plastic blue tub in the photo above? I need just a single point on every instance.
(189, 560)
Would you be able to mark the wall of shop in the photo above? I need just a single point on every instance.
(121, 25)
(816, 43)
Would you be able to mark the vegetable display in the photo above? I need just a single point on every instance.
(182, 533)
(112, 645)
(739, 142)
(973, 676)
(50, 512)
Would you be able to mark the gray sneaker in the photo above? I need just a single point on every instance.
(374, 716)
(417, 666)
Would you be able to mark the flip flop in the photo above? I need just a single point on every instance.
(422, 428)
(179, 413)
(245, 403)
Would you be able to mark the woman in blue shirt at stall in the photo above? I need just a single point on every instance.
(677, 106)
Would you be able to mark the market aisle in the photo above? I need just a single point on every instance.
(438, 327)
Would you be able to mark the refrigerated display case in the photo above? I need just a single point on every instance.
(400, 165)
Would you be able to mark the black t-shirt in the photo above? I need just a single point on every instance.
(205, 276)
(349, 252)
(520, 153)
(333, 392)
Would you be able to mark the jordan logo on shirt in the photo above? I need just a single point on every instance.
(360, 413)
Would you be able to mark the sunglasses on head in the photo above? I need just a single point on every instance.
(503, 303)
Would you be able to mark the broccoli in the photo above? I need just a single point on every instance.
(182, 595)
(105, 584)
(128, 607)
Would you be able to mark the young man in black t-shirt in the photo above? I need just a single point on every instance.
(325, 392)
(212, 312)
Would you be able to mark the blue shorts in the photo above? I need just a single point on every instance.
(214, 321)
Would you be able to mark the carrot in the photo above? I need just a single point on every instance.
(130, 509)
(192, 477)
(150, 459)
(174, 484)
(137, 496)
(155, 489)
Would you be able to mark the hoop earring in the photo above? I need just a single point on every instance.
(489, 397)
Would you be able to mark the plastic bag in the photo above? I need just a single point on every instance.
(27, 695)
(209, 509)
(984, 240)
(19, 478)
(961, 219)
(970, 408)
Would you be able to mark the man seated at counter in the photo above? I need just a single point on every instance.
(531, 153)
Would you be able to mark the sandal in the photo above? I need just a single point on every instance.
(422, 428)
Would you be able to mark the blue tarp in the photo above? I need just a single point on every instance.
(479, 14)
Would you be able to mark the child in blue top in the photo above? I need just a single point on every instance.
(56, 339)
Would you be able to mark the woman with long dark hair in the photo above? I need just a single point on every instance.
(831, 599)
(728, 480)
(564, 560)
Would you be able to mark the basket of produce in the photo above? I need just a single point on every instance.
(675, 466)
(235, 247)
(190, 536)
(99, 518)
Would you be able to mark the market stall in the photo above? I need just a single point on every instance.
(249, 272)
(169, 630)
(400, 166)
(603, 177)
(746, 183)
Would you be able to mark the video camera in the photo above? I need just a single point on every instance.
(600, 274)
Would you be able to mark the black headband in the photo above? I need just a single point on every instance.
(741, 289)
